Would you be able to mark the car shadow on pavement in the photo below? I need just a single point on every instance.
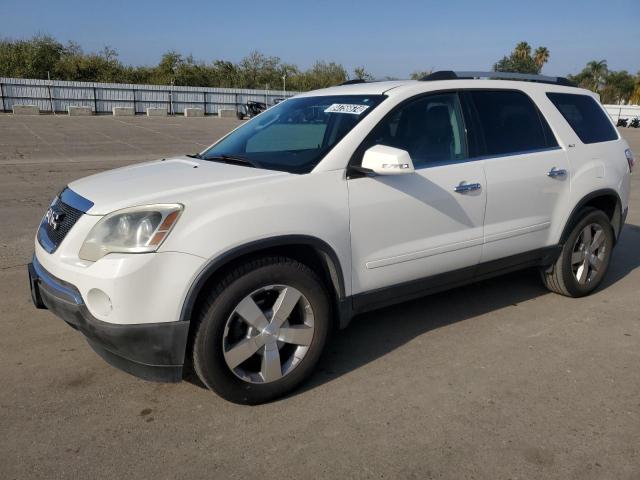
(626, 256)
(373, 335)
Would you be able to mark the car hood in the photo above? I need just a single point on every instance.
(175, 180)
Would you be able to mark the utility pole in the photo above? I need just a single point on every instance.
(171, 112)
(284, 84)
(53, 110)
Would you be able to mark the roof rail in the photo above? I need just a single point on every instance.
(527, 77)
(351, 82)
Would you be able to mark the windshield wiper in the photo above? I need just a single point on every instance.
(233, 160)
(195, 155)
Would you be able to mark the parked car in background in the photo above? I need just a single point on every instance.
(251, 109)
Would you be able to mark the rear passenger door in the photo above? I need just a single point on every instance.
(527, 173)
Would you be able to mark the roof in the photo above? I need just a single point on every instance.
(364, 88)
(528, 77)
(407, 87)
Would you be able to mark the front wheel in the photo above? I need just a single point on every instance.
(585, 256)
(261, 331)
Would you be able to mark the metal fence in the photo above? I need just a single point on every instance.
(623, 111)
(57, 95)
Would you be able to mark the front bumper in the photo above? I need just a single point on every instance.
(152, 351)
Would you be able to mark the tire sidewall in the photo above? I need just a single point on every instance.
(212, 366)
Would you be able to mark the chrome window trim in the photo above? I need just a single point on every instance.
(489, 157)
(459, 92)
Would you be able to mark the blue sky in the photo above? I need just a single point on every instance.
(388, 38)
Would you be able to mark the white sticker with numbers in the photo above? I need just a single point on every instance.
(346, 108)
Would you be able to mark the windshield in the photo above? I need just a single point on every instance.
(296, 134)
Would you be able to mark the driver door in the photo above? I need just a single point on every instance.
(405, 228)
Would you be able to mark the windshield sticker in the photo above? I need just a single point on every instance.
(346, 108)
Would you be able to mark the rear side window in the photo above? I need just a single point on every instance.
(585, 116)
(510, 122)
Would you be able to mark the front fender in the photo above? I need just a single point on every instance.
(309, 209)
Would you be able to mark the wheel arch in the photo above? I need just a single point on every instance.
(605, 199)
(312, 251)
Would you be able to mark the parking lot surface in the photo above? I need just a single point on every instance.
(499, 379)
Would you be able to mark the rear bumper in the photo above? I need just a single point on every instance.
(152, 351)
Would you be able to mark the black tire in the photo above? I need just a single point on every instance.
(560, 277)
(208, 357)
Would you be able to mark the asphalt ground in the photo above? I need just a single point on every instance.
(495, 380)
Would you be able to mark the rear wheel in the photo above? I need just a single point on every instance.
(585, 256)
(262, 330)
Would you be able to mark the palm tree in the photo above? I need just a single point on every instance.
(541, 56)
(635, 96)
(522, 50)
(597, 72)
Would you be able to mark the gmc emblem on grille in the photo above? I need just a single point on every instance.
(54, 218)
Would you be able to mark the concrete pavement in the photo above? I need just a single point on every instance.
(499, 379)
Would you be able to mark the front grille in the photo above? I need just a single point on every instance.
(56, 224)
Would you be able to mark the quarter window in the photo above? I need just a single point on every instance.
(510, 122)
(585, 116)
(430, 128)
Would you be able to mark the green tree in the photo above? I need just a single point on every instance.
(597, 72)
(635, 96)
(541, 56)
(74, 64)
(520, 60)
(592, 76)
(580, 79)
(321, 75)
(618, 87)
(29, 58)
(522, 50)
(35, 57)
(191, 73)
(417, 75)
(258, 70)
(361, 74)
(225, 74)
(516, 64)
(165, 72)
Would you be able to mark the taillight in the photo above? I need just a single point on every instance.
(630, 158)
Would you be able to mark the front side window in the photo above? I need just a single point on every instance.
(510, 122)
(296, 134)
(430, 128)
(585, 116)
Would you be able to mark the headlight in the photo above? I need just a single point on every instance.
(130, 230)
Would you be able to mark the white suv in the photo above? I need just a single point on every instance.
(239, 261)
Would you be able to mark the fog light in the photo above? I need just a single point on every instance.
(99, 302)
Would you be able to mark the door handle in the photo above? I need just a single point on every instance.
(556, 172)
(466, 187)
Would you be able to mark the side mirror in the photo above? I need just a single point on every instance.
(385, 160)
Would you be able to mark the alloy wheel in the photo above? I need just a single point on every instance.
(589, 252)
(268, 334)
